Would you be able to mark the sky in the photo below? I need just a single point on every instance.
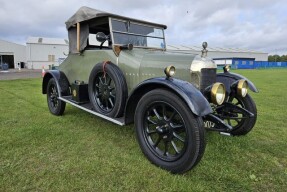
(259, 25)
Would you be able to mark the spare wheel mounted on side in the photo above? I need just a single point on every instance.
(108, 89)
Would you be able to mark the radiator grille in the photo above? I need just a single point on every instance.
(208, 77)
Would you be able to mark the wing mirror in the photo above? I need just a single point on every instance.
(101, 37)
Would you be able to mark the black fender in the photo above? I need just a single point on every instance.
(61, 81)
(228, 78)
(185, 90)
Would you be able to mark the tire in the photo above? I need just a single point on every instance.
(169, 135)
(55, 105)
(241, 125)
(108, 91)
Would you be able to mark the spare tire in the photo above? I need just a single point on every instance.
(108, 90)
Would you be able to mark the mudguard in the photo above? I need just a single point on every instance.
(61, 80)
(185, 90)
(228, 78)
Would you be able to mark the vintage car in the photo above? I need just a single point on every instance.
(118, 69)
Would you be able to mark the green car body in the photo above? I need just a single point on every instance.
(137, 65)
(118, 68)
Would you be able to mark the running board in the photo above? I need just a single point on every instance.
(118, 121)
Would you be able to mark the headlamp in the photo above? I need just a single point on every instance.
(226, 68)
(242, 87)
(217, 93)
(169, 71)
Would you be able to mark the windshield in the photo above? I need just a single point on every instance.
(125, 32)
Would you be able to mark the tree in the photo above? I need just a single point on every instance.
(284, 58)
(277, 58)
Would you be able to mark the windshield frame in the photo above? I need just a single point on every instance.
(135, 34)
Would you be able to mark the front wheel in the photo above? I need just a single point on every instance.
(169, 135)
(241, 123)
(56, 106)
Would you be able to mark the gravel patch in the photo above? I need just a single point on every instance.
(20, 74)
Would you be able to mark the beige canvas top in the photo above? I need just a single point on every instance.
(87, 13)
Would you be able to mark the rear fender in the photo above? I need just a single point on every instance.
(228, 78)
(186, 91)
(61, 81)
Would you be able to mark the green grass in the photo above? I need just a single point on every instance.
(80, 152)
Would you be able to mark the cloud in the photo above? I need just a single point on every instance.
(257, 24)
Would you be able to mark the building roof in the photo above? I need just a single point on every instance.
(210, 49)
(2, 41)
(58, 41)
(47, 41)
(87, 13)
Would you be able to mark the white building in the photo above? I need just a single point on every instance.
(42, 51)
(222, 54)
(13, 54)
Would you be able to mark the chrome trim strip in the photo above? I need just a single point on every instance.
(93, 112)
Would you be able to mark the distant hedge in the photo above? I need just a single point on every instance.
(277, 58)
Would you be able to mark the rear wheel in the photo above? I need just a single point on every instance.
(169, 135)
(56, 106)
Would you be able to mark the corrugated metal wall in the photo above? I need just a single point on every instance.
(245, 64)
(266, 64)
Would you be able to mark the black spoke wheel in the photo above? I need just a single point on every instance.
(169, 134)
(107, 90)
(56, 106)
(242, 124)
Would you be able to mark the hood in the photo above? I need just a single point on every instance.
(154, 62)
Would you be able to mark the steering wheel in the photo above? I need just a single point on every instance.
(107, 37)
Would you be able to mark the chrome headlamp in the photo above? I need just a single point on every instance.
(216, 93)
(226, 68)
(169, 71)
(242, 87)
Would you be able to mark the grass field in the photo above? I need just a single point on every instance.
(80, 152)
